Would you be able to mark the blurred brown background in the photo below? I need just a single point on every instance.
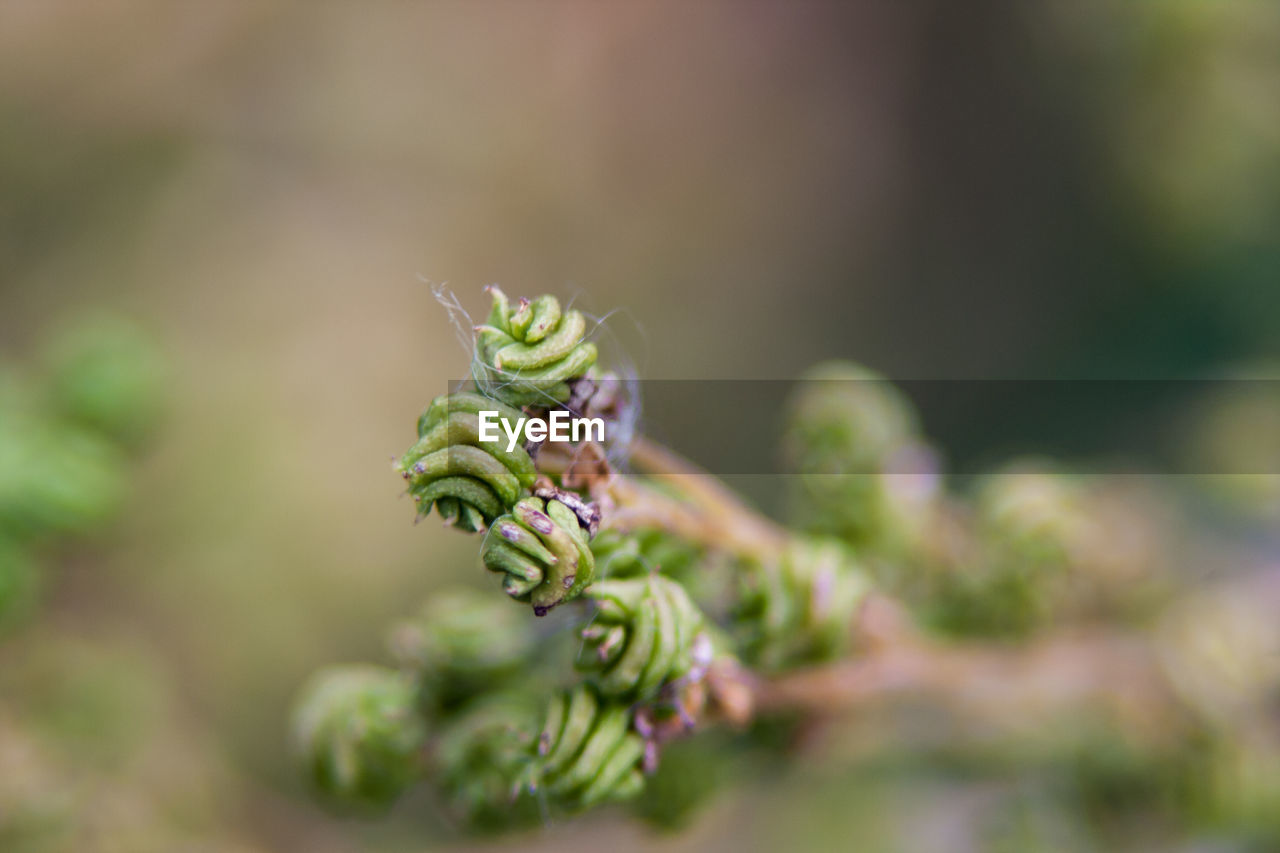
(938, 190)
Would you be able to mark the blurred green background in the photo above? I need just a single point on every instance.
(939, 190)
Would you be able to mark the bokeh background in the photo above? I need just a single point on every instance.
(981, 190)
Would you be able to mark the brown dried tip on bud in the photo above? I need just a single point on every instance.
(588, 513)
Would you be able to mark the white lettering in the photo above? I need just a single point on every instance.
(488, 426)
(513, 435)
(560, 426)
(588, 424)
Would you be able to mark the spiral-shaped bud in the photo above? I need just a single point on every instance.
(1031, 524)
(470, 482)
(800, 608)
(1033, 513)
(509, 758)
(462, 643)
(646, 633)
(541, 548)
(588, 751)
(358, 734)
(527, 352)
(484, 762)
(864, 474)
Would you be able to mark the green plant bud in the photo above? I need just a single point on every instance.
(358, 734)
(463, 642)
(864, 475)
(108, 376)
(1032, 525)
(507, 761)
(469, 482)
(588, 751)
(1032, 513)
(800, 609)
(484, 762)
(541, 549)
(646, 633)
(526, 353)
(55, 479)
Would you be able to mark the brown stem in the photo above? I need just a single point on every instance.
(722, 519)
(1111, 672)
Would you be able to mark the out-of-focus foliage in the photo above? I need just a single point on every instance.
(106, 375)
(357, 733)
(64, 437)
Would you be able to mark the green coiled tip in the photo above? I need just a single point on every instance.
(646, 634)
(542, 551)
(1032, 511)
(849, 435)
(467, 480)
(846, 419)
(358, 735)
(800, 608)
(588, 751)
(527, 352)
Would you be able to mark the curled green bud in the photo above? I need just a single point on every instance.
(864, 475)
(541, 548)
(1032, 524)
(462, 643)
(1032, 512)
(800, 608)
(647, 633)
(358, 734)
(469, 482)
(507, 760)
(484, 762)
(527, 352)
(588, 751)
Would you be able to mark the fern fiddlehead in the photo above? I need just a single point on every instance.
(526, 353)
(470, 482)
(542, 550)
